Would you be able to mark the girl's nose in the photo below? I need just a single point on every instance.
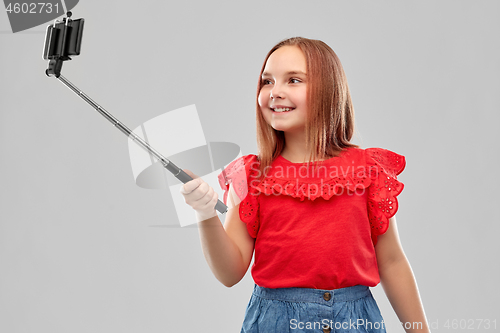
(276, 92)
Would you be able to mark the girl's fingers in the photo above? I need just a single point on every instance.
(200, 196)
(208, 197)
(196, 190)
(191, 185)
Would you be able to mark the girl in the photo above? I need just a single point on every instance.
(317, 210)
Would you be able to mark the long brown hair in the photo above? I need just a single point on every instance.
(330, 117)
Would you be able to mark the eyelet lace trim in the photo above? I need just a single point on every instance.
(382, 201)
(312, 190)
(379, 178)
(238, 173)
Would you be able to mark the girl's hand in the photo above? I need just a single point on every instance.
(200, 196)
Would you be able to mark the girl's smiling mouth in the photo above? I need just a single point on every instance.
(279, 108)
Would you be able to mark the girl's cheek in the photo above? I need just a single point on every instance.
(261, 99)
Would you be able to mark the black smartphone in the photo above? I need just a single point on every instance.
(63, 39)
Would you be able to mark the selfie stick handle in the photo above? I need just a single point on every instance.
(175, 170)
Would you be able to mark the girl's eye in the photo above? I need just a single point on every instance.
(292, 80)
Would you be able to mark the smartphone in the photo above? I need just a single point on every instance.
(63, 39)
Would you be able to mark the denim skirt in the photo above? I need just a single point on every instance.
(300, 310)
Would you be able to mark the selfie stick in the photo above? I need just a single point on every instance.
(62, 36)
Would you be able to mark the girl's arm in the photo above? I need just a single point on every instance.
(228, 249)
(398, 281)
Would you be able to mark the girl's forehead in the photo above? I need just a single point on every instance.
(285, 59)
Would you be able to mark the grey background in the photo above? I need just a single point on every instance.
(83, 249)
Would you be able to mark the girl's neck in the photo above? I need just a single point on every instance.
(295, 148)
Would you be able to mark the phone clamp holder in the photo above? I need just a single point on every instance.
(62, 40)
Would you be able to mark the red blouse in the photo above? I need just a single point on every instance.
(317, 228)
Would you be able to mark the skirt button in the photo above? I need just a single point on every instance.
(327, 296)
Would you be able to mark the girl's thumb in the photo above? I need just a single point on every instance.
(190, 173)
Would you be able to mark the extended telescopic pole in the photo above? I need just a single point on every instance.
(176, 171)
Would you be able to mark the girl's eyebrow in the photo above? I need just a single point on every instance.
(288, 73)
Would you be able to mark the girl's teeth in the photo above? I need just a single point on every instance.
(282, 110)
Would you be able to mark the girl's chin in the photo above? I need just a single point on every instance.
(283, 128)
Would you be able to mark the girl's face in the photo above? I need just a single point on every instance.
(284, 85)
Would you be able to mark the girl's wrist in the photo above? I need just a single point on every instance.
(202, 216)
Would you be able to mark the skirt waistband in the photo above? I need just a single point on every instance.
(313, 295)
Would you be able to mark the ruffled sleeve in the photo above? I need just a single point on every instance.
(240, 173)
(383, 166)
